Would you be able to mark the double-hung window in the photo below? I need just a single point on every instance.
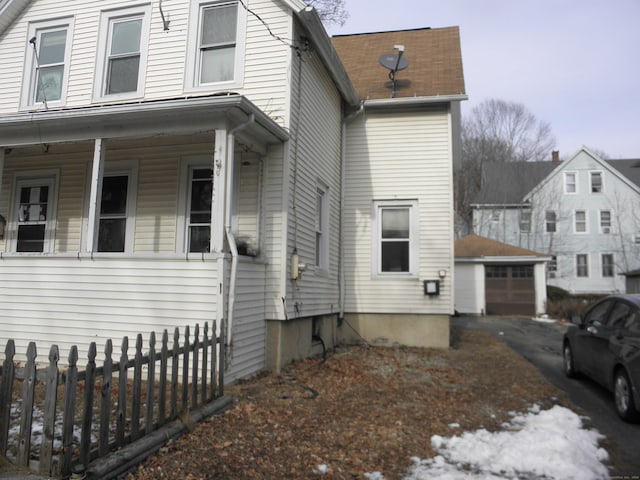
(396, 237)
(216, 44)
(607, 265)
(570, 182)
(525, 221)
(47, 66)
(605, 221)
(582, 265)
(198, 216)
(550, 221)
(34, 214)
(595, 179)
(123, 53)
(580, 221)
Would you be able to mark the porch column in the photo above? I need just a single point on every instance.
(96, 187)
(218, 194)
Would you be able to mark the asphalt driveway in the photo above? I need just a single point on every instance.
(541, 344)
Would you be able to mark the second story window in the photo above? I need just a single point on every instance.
(582, 265)
(570, 182)
(215, 53)
(580, 217)
(550, 221)
(525, 221)
(122, 53)
(605, 221)
(48, 57)
(596, 182)
(322, 221)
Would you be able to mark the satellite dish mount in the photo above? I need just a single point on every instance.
(395, 62)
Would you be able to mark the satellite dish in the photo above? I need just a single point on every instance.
(394, 62)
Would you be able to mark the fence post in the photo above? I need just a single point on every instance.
(87, 412)
(205, 361)
(6, 389)
(194, 368)
(223, 356)
(49, 411)
(214, 359)
(151, 381)
(105, 403)
(174, 373)
(28, 391)
(162, 407)
(137, 389)
(122, 393)
(69, 410)
(185, 370)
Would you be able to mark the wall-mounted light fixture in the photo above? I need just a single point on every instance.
(3, 223)
(442, 273)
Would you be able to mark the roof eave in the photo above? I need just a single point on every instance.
(414, 101)
(9, 11)
(321, 41)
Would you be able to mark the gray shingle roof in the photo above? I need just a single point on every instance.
(508, 183)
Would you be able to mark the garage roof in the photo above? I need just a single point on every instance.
(474, 246)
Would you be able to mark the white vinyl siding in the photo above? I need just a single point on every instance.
(376, 145)
(266, 64)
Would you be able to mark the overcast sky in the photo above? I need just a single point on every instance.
(573, 63)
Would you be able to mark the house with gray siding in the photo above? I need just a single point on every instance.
(170, 164)
(582, 212)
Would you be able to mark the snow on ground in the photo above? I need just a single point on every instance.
(550, 445)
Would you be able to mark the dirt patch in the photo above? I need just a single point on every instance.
(364, 409)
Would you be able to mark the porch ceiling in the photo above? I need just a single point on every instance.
(175, 116)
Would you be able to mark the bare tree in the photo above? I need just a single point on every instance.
(496, 131)
(330, 11)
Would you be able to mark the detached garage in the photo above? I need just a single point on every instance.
(493, 278)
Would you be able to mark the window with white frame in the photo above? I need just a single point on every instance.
(198, 218)
(552, 267)
(122, 54)
(607, 265)
(605, 221)
(595, 179)
(216, 44)
(495, 216)
(580, 221)
(34, 214)
(322, 226)
(47, 63)
(582, 265)
(525, 221)
(550, 221)
(396, 237)
(570, 182)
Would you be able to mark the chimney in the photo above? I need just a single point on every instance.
(555, 156)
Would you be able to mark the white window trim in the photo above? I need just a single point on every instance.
(575, 176)
(613, 264)
(27, 98)
(111, 169)
(199, 161)
(546, 222)
(588, 263)
(586, 221)
(192, 63)
(414, 238)
(591, 172)
(610, 227)
(39, 177)
(99, 82)
(527, 225)
(323, 266)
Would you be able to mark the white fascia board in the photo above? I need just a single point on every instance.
(503, 206)
(503, 260)
(414, 101)
(9, 11)
(188, 115)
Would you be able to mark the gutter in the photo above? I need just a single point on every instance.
(343, 167)
(233, 248)
(414, 101)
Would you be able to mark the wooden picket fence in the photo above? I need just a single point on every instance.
(165, 384)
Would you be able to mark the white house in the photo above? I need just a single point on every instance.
(169, 163)
(582, 212)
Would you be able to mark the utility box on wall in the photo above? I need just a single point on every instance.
(432, 287)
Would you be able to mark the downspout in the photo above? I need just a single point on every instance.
(343, 168)
(233, 248)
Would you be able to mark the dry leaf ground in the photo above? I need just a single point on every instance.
(364, 409)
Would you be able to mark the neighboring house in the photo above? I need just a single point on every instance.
(494, 278)
(166, 164)
(582, 212)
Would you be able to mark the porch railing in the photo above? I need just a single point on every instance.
(52, 419)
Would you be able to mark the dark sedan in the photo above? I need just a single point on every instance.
(604, 344)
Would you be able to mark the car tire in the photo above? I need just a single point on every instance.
(626, 405)
(569, 361)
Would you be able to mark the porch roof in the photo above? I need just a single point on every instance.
(141, 119)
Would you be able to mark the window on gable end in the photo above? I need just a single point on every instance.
(570, 182)
(47, 65)
(580, 221)
(215, 53)
(122, 53)
(595, 179)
